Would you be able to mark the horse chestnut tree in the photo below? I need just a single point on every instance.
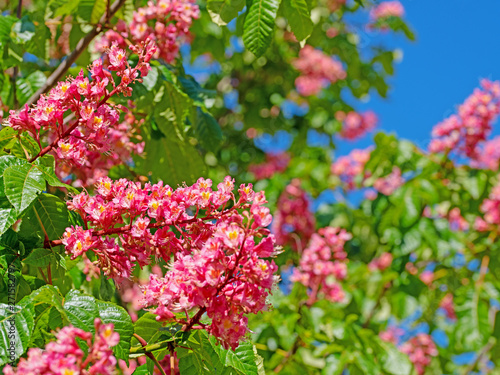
(148, 226)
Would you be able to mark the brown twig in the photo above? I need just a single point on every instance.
(80, 47)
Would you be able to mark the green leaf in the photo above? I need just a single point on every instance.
(299, 18)
(111, 313)
(27, 86)
(8, 217)
(147, 327)
(207, 130)
(393, 361)
(173, 106)
(92, 10)
(243, 359)
(46, 165)
(50, 214)
(141, 370)
(202, 359)
(259, 25)
(169, 160)
(81, 310)
(22, 184)
(7, 137)
(223, 11)
(40, 258)
(20, 316)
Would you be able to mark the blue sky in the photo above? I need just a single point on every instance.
(457, 44)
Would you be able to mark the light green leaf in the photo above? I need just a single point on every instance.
(223, 11)
(22, 184)
(259, 25)
(299, 18)
(27, 86)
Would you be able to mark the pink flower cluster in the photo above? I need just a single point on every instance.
(420, 349)
(275, 163)
(215, 254)
(381, 263)
(317, 71)
(457, 221)
(491, 210)
(350, 168)
(464, 132)
(221, 272)
(166, 22)
(389, 184)
(64, 356)
(293, 223)
(356, 125)
(77, 143)
(323, 264)
(387, 9)
(488, 156)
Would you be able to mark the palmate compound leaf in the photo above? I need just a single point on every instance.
(259, 25)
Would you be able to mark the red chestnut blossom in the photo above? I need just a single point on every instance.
(79, 143)
(420, 349)
(392, 334)
(64, 356)
(447, 305)
(323, 264)
(457, 221)
(166, 22)
(381, 263)
(387, 9)
(293, 223)
(462, 133)
(350, 168)
(427, 277)
(356, 125)
(317, 71)
(491, 209)
(488, 157)
(388, 184)
(275, 163)
(215, 255)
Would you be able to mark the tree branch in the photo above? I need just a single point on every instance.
(80, 47)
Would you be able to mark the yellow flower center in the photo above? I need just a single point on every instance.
(233, 235)
(65, 147)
